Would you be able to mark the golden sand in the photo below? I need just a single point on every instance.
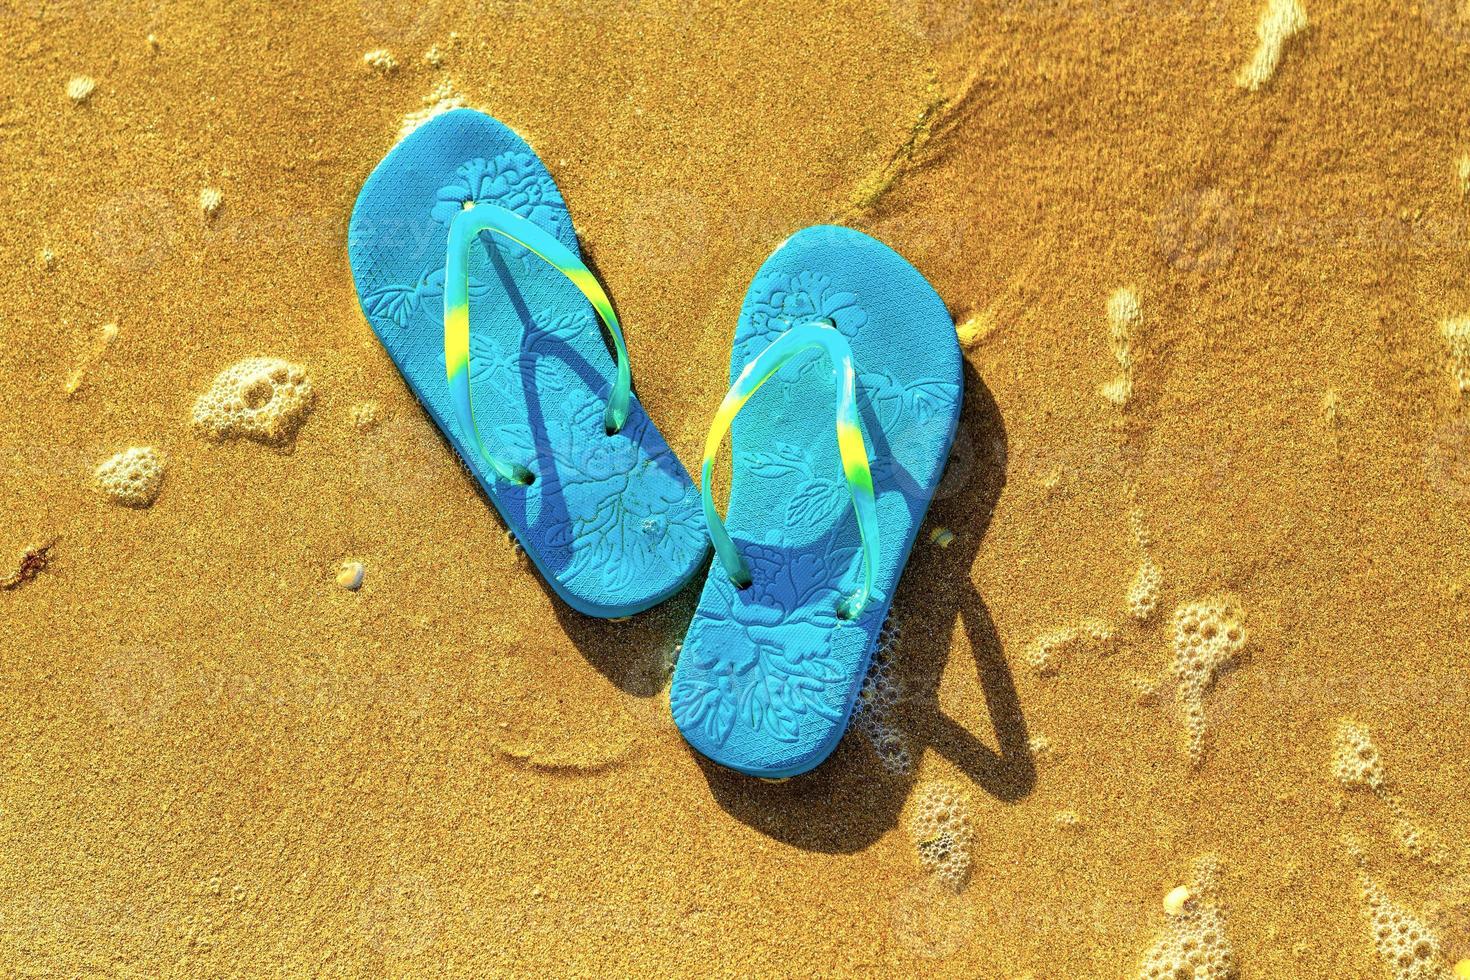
(216, 761)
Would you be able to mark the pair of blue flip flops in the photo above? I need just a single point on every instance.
(468, 269)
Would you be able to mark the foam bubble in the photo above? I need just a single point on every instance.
(1044, 652)
(942, 832)
(1145, 689)
(1040, 746)
(1281, 20)
(441, 100)
(1208, 635)
(1417, 841)
(1407, 946)
(368, 415)
(1356, 761)
(1192, 944)
(260, 398)
(1143, 593)
(1125, 314)
(873, 713)
(1138, 530)
(380, 60)
(132, 478)
(1358, 764)
(1413, 838)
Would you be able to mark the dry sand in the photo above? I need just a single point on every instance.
(218, 761)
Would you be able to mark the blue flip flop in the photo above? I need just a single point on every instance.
(468, 270)
(818, 528)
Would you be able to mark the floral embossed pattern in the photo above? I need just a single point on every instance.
(628, 510)
(612, 521)
(514, 181)
(781, 300)
(774, 664)
(395, 305)
(816, 500)
(770, 666)
(614, 508)
(497, 363)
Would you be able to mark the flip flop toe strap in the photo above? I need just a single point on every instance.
(850, 447)
(464, 231)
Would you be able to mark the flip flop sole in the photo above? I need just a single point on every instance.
(613, 522)
(768, 675)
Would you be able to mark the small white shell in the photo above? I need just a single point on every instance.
(351, 574)
(79, 88)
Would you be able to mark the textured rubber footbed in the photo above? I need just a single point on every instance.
(612, 521)
(768, 675)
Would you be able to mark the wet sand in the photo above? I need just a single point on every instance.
(218, 761)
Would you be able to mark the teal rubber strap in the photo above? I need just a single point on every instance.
(464, 231)
(850, 447)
